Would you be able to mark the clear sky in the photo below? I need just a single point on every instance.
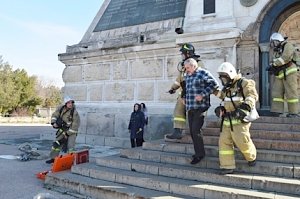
(34, 32)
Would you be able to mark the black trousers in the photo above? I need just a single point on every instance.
(196, 120)
(136, 142)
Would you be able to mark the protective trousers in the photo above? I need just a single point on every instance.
(240, 136)
(289, 88)
(179, 115)
(70, 146)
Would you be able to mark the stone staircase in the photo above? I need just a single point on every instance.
(162, 169)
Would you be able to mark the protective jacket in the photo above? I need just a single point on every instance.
(285, 83)
(283, 61)
(234, 96)
(70, 119)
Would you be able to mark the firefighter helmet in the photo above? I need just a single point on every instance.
(276, 37)
(187, 49)
(228, 69)
(68, 99)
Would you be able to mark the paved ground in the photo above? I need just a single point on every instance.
(18, 180)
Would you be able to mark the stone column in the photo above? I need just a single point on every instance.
(265, 83)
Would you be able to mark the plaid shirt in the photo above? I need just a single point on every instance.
(201, 82)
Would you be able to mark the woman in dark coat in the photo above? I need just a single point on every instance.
(136, 126)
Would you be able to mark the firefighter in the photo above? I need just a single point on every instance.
(237, 104)
(179, 115)
(66, 120)
(285, 80)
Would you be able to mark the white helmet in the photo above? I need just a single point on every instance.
(228, 69)
(67, 99)
(276, 37)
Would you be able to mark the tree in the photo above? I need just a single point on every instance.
(21, 93)
(9, 97)
(51, 95)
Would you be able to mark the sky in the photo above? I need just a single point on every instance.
(34, 32)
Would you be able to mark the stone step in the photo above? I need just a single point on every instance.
(265, 168)
(266, 119)
(277, 120)
(281, 145)
(262, 126)
(256, 182)
(260, 134)
(72, 184)
(212, 151)
(189, 188)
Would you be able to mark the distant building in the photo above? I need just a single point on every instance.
(130, 54)
(45, 112)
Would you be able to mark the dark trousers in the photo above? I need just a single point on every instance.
(136, 142)
(196, 120)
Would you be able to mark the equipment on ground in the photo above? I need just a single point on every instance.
(65, 162)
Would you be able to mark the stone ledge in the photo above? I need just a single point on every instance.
(24, 120)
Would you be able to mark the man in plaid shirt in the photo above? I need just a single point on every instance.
(199, 85)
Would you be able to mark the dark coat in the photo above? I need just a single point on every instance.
(137, 122)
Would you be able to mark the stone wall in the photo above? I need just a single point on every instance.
(106, 83)
(108, 71)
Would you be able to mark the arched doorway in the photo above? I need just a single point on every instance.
(282, 16)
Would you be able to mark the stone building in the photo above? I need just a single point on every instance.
(130, 54)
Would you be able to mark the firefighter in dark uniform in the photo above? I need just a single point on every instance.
(285, 80)
(66, 120)
(179, 115)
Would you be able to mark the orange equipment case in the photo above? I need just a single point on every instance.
(65, 162)
(81, 156)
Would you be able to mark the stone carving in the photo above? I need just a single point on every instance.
(248, 3)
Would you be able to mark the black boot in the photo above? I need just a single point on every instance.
(252, 163)
(226, 171)
(175, 135)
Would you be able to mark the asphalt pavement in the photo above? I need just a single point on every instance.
(18, 178)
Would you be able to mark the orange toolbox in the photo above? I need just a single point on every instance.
(65, 162)
(61, 163)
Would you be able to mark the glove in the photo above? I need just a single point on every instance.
(171, 91)
(243, 110)
(54, 125)
(220, 110)
(241, 114)
(245, 106)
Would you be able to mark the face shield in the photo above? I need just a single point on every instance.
(275, 44)
(225, 79)
(184, 55)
